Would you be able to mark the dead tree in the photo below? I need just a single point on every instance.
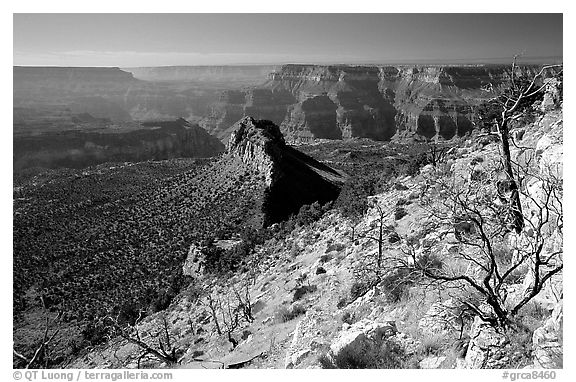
(212, 304)
(230, 318)
(244, 304)
(376, 233)
(164, 350)
(40, 357)
(486, 261)
(230, 309)
(436, 154)
(510, 105)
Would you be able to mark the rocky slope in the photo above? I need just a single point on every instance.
(378, 102)
(307, 311)
(77, 148)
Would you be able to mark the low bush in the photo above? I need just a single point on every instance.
(397, 284)
(359, 289)
(402, 202)
(390, 356)
(476, 160)
(301, 291)
(348, 318)
(431, 345)
(294, 251)
(285, 314)
(338, 247)
(342, 302)
(400, 213)
(393, 238)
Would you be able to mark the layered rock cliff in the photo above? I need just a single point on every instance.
(233, 105)
(292, 179)
(378, 102)
(46, 98)
(154, 140)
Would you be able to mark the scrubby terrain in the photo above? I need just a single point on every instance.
(415, 261)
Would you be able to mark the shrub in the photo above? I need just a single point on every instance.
(429, 261)
(301, 291)
(95, 333)
(393, 238)
(431, 345)
(193, 292)
(297, 310)
(197, 353)
(294, 251)
(476, 160)
(284, 314)
(533, 315)
(359, 289)
(400, 213)
(352, 201)
(402, 202)
(400, 187)
(348, 318)
(390, 356)
(301, 278)
(520, 337)
(338, 247)
(477, 175)
(396, 284)
(342, 302)
(325, 362)
(308, 214)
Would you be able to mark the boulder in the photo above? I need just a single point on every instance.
(193, 265)
(550, 149)
(432, 363)
(364, 337)
(487, 348)
(547, 341)
(552, 96)
(305, 338)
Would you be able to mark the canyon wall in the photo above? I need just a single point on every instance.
(378, 102)
(49, 98)
(306, 101)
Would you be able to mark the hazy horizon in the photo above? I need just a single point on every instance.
(149, 40)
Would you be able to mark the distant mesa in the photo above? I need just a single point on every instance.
(216, 73)
(151, 141)
(70, 75)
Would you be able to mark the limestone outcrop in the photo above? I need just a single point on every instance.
(547, 341)
(487, 347)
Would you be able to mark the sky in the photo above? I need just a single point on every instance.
(126, 40)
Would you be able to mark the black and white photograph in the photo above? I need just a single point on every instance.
(231, 190)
